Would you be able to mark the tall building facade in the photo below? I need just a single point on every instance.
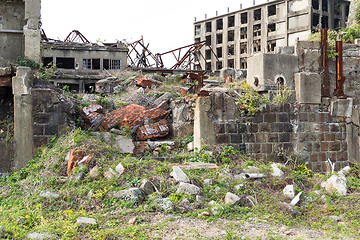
(235, 36)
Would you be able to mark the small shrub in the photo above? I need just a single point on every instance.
(251, 101)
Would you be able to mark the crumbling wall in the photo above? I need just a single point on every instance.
(315, 132)
(12, 20)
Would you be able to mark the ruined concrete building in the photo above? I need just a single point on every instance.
(85, 59)
(237, 35)
(19, 30)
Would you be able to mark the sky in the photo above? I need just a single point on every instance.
(164, 25)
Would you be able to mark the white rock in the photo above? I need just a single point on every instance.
(343, 171)
(295, 200)
(208, 182)
(125, 145)
(190, 146)
(232, 199)
(188, 189)
(85, 221)
(179, 175)
(39, 236)
(49, 194)
(120, 168)
(109, 174)
(289, 191)
(276, 172)
(94, 172)
(335, 183)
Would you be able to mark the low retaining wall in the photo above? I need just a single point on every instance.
(315, 132)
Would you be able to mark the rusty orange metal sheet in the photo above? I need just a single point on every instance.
(154, 130)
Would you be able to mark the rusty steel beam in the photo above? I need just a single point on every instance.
(340, 79)
(76, 36)
(143, 55)
(324, 68)
(199, 77)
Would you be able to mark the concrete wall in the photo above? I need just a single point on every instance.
(313, 131)
(6, 155)
(12, 20)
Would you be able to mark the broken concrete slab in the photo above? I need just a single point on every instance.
(165, 97)
(232, 199)
(107, 85)
(276, 171)
(147, 187)
(179, 175)
(84, 221)
(93, 115)
(188, 189)
(131, 195)
(335, 183)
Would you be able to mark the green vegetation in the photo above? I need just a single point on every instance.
(27, 62)
(251, 101)
(23, 211)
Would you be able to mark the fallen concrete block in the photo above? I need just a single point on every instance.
(179, 175)
(188, 189)
(276, 172)
(147, 187)
(165, 97)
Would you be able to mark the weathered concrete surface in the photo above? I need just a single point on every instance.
(6, 149)
(183, 120)
(32, 30)
(204, 129)
(23, 120)
(308, 88)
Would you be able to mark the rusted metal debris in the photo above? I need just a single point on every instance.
(6, 75)
(324, 68)
(45, 38)
(147, 82)
(139, 55)
(93, 115)
(186, 61)
(153, 130)
(76, 36)
(340, 79)
(199, 77)
(77, 157)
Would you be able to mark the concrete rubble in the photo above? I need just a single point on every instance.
(85, 221)
(179, 175)
(188, 189)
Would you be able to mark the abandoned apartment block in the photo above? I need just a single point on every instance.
(260, 28)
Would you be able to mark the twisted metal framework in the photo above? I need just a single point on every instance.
(139, 55)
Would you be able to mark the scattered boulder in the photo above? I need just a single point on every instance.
(130, 195)
(94, 172)
(84, 221)
(120, 169)
(147, 187)
(183, 120)
(276, 171)
(179, 175)
(232, 199)
(185, 205)
(289, 191)
(335, 183)
(188, 189)
(49, 194)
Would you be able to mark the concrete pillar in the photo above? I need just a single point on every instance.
(23, 121)
(32, 30)
(343, 15)
(331, 11)
(204, 128)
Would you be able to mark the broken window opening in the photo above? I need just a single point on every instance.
(72, 87)
(197, 40)
(90, 88)
(243, 63)
(257, 30)
(243, 48)
(218, 65)
(257, 14)
(272, 27)
(231, 35)
(280, 81)
(231, 21)
(208, 39)
(66, 63)
(324, 6)
(219, 38)
(337, 7)
(112, 64)
(207, 54)
(315, 4)
(231, 50)
(257, 45)
(324, 22)
(243, 33)
(231, 63)
(48, 60)
(271, 46)
(272, 10)
(337, 23)
(219, 52)
(197, 29)
(208, 27)
(244, 18)
(347, 10)
(219, 24)
(90, 63)
(208, 66)
(316, 20)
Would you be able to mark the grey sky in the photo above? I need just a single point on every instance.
(166, 25)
